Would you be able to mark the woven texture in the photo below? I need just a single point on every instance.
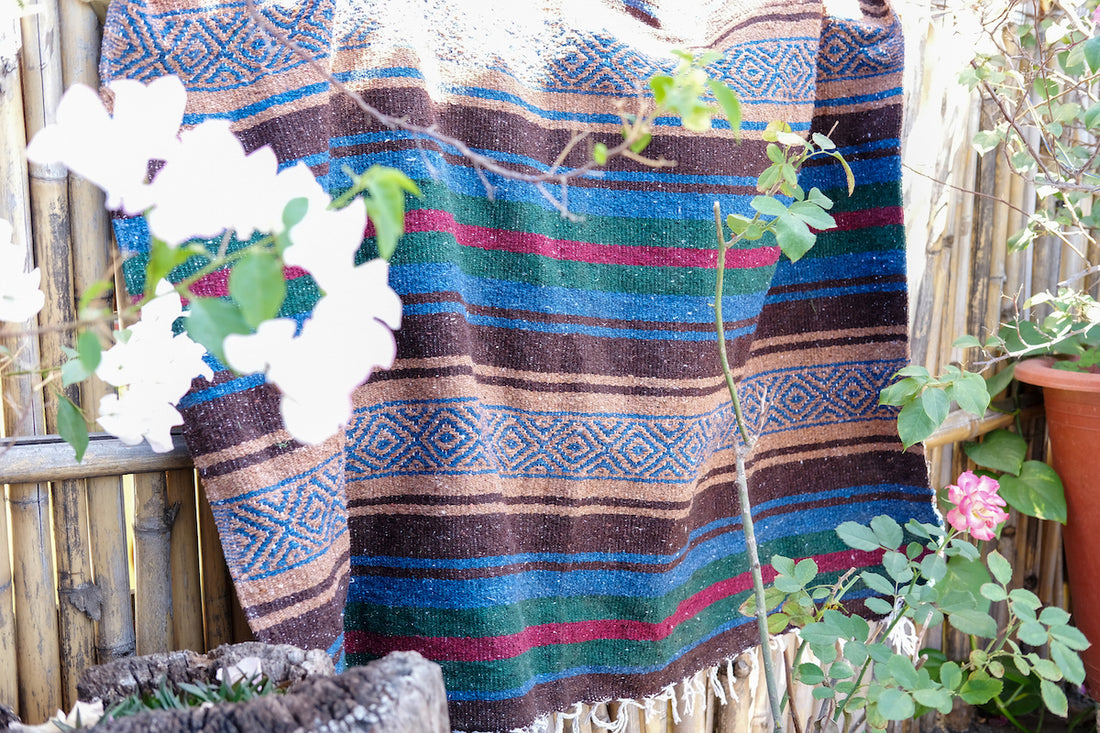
(541, 495)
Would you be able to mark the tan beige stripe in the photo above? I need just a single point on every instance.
(269, 590)
(265, 473)
(242, 450)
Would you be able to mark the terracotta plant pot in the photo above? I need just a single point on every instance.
(1072, 402)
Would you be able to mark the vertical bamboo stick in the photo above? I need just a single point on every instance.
(91, 261)
(18, 406)
(35, 607)
(50, 219)
(152, 563)
(186, 583)
(217, 596)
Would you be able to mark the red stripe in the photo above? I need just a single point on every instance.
(491, 648)
(216, 284)
(867, 218)
(468, 235)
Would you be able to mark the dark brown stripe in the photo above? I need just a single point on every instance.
(338, 574)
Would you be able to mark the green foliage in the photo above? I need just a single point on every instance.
(928, 575)
(193, 695)
(385, 188)
(71, 426)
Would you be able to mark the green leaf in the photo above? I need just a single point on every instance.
(973, 621)
(1053, 697)
(805, 571)
(777, 622)
(934, 697)
(848, 175)
(71, 426)
(951, 675)
(1054, 616)
(661, 84)
(822, 141)
(877, 583)
(897, 566)
(1001, 450)
(812, 214)
(810, 674)
(294, 211)
(971, 393)
(794, 237)
(887, 531)
(902, 670)
(386, 206)
(997, 383)
(894, 704)
(920, 418)
(211, 320)
(901, 392)
(999, 567)
(858, 536)
(1068, 661)
(769, 206)
(980, 689)
(731, 105)
(1025, 598)
(257, 286)
(986, 140)
(1092, 53)
(878, 605)
(933, 567)
(1038, 492)
(641, 143)
(957, 589)
(599, 154)
(1071, 637)
(162, 260)
(993, 592)
(1092, 115)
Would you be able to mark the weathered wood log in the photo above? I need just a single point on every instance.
(123, 677)
(401, 693)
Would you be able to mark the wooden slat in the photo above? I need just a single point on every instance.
(217, 593)
(186, 583)
(49, 458)
(152, 563)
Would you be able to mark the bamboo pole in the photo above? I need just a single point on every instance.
(217, 594)
(35, 608)
(90, 239)
(152, 563)
(53, 247)
(186, 582)
(49, 458)
(18, 407)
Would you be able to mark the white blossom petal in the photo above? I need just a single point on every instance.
(20, 295)
(140, 414)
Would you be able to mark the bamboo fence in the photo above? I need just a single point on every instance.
(118, 554)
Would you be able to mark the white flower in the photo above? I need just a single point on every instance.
(20, 296)
(211, 185)
(113, 152)
(248, 669)
(156, 366)
(140, 413)
(351, 325)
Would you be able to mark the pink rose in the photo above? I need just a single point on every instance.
(977, 505)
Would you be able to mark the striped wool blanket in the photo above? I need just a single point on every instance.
(540, 495)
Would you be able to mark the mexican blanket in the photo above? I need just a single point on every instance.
(541, 494)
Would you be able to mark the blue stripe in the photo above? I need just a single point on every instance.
(430, 278)
(225, 389)
(491, 592)
(858, 98)
(830, 269)
(522, 324)
(834, 292)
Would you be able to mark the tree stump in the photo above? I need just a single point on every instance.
(116, 680)
(400, 693)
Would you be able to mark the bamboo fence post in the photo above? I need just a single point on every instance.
(35, 609)
(152, 563)
(217, 594)
(89, 228)
(186, 583)
(53, 248)
(18, 405)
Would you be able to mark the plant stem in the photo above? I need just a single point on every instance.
(741, 451)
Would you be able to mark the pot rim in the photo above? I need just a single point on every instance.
(1038, 371)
